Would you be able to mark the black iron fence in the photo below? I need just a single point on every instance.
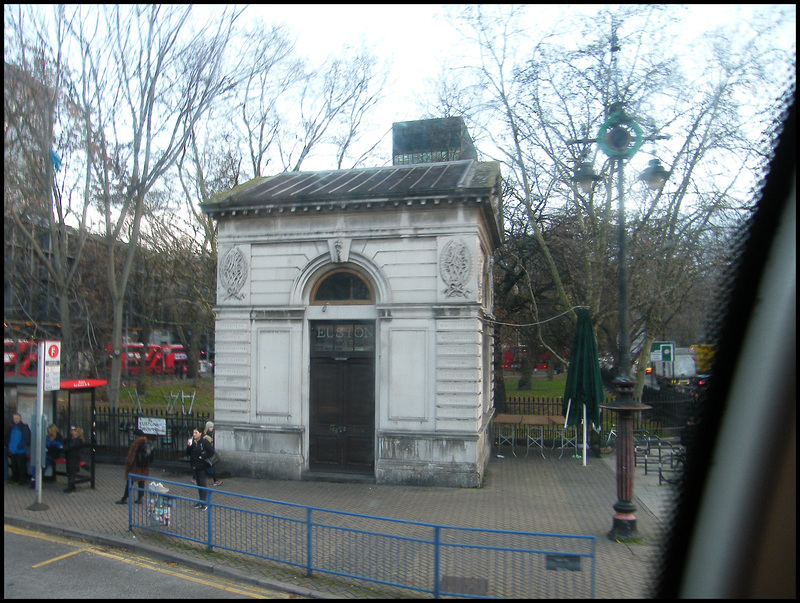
(667, 417)
(114, 430)
(171, 445)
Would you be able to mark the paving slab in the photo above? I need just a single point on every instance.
(534, 494)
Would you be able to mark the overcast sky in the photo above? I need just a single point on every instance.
(412, 37)
(418, 39)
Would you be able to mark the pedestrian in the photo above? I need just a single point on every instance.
(211, 471)
(18, 441)
(199, 450)
(6, 456)
(132, 466)
(53, 446)
(72, 454)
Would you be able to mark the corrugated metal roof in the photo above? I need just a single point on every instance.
(407, 181)
(467, 181)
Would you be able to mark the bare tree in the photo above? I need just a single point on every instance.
(541, 92)
(154, 76)
(45, 126)
(203, 172)
(330, 106)
(289, 109)
(271, 69)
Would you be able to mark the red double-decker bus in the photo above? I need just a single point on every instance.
(20, 358)
(160, 359)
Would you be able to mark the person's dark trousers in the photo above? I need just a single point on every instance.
(200, 478)
(71, 481)
(141, 492)
(19, 468)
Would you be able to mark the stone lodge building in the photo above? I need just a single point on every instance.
(352, 338)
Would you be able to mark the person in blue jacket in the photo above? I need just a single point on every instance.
(18, 441)
(54, 445)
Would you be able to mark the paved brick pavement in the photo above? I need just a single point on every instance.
(543, 495)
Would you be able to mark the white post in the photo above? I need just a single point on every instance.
(584, 435)
(37, 422)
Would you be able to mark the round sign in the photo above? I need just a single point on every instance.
(52, 351)
(620, 136)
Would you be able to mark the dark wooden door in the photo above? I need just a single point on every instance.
(342, 414)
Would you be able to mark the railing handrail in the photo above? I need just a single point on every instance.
(372, 574)
(133, 476)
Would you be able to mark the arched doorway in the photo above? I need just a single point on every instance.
(342, 379)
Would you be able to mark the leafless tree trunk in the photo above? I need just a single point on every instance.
(154, 79)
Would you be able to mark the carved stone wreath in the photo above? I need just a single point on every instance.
(455, 265)
(233, 273)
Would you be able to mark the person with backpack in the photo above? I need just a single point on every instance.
(138, 462)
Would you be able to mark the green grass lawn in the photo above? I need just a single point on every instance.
(541, 386)
(156, 390)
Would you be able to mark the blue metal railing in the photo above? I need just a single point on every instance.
(437, 559)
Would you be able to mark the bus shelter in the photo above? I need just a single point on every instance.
(84, 390)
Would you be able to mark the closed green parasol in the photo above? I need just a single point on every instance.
(583, 392)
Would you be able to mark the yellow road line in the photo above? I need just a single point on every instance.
(151, 566)
(57, 558)
(25, 532)
(140, 562)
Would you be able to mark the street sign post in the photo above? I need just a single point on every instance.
(48, 379)
(663, 351)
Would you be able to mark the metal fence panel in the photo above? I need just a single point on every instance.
(413, 556)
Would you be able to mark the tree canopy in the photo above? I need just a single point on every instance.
(536, 100)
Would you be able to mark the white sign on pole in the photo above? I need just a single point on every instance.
(52, 366)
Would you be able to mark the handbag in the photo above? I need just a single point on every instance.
(212, 460)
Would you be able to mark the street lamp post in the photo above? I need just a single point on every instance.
(620, 137)
(624, 521)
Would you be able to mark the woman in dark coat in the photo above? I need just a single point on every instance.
(132, 467)
(199, 450)
(208, 434)
(72, 455)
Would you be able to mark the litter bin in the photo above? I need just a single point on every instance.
(159, 505)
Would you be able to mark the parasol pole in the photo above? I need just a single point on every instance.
(584, 435)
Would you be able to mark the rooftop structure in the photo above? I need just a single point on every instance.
(431, 141)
